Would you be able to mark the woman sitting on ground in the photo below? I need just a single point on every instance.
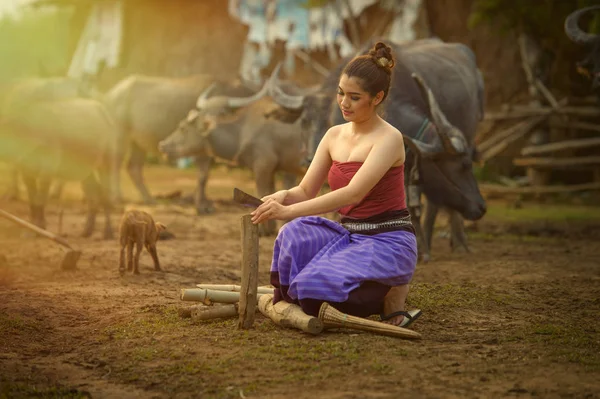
(362, 266)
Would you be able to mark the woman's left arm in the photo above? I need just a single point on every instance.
(383, 155)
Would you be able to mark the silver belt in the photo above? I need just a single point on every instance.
(354, 227)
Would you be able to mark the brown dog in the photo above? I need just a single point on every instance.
(138, 227)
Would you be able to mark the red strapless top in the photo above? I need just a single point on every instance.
(387, 195)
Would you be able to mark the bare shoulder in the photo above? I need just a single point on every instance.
(335, 130)
(392, 134)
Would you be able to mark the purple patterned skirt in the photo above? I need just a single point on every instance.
(316, 260)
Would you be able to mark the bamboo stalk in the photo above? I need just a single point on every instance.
(234, 288)
(560, 146)
(209, 296)
(518, 129)
(594, 127)
(525, 111)
(487, 188)
(557, 162)
(289, 315)
(201, 312)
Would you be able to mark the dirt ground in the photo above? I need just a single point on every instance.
(518, 317)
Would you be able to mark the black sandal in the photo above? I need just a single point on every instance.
(409, 317)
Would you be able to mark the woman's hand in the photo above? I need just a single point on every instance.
(270, 210)
(279, 196)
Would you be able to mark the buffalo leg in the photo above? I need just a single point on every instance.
(152, 250)
(107, 195)
(135, 168)
(91, 189)
(122, 259)
(57, 189)
(201, 202)
(458, 237)
(431, 211)
(138, 250)
(422, 244)
(12, 193)
(289, 180)
(130, 244)
(37, 190)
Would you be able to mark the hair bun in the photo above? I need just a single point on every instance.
(381, 54)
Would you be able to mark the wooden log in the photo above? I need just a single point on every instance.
(594, 127)
(488, 189)
(503, 139)
(208, 297)
(248, 289)
(556, 162)
(234, 288)
(518, 111)
(289, 315)
(201, 312)
(561, 146)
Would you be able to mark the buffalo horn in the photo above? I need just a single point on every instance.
(439, 119)
(201, 102)
(237, 102)
(572, 27)
(422, 149)
(281, 97)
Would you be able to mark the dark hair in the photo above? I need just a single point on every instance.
(374, 69)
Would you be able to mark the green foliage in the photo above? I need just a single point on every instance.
(541, 18)
(35, 39)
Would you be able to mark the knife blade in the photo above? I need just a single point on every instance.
(245, 199)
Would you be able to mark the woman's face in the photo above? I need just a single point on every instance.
(356, 105)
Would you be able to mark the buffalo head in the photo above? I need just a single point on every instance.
(192, 134)
(590, 65)
(446, 164)
(314, 102)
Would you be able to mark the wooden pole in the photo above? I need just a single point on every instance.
(249, 287)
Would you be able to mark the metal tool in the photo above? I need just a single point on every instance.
(246, 199)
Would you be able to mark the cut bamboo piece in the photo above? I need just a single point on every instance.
(561, 145)
(201, 312)
(248, 289)
(557, 162)
(333, 318)
(517, 131)
(289, 315)
(234, 288)
(208, 297)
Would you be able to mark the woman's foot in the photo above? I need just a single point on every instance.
(394, 302)
(407, 317)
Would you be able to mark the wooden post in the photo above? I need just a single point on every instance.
(249, 286)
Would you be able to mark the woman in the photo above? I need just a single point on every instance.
(363, 265)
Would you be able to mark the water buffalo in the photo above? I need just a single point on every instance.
(590, 65)
(248, 139)
(442, 137)
(147, 109)
(65, 139)
(23, 92)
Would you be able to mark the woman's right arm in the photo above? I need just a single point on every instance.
(314, 178)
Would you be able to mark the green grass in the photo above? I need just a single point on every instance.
(10, 389)
(437, 297)
(536, 212)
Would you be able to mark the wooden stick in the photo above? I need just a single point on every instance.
(594, 127)
(525, 111)
(557, 162)
(248, 290)
(209, 296)
(518, 129)
(560, 146)
(487, 188)
(201, 312)
(289, 315)
(38, 230)
(234, 288)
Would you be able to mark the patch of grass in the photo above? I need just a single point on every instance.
(21, 390)
(439, 297)
(16, 324)
(508, 237)
(570, 342)
(160, 321)
(536, 212)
